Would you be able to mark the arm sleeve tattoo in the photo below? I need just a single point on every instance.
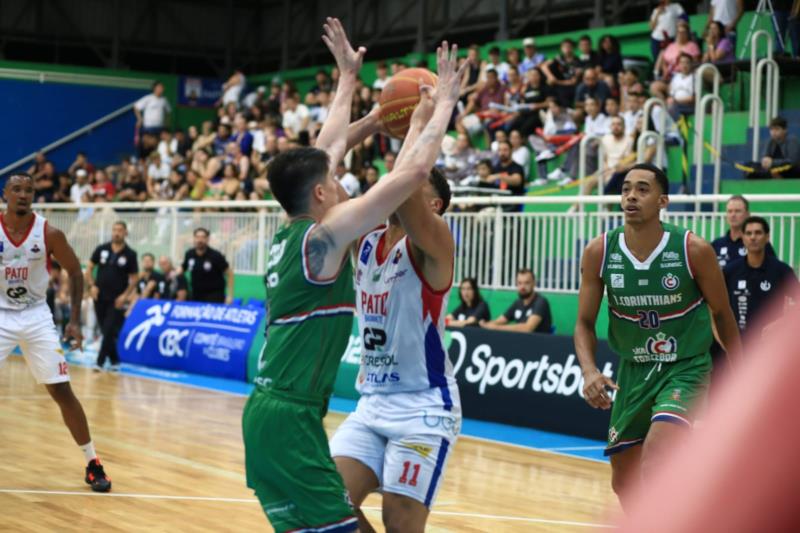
(319, 244)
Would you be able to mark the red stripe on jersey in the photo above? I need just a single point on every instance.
(24, 237)
(47, 250)
(421, 276)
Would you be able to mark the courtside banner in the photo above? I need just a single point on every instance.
(528, 380)
(201, 338)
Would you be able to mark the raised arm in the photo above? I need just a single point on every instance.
(707, 274)
(589, 298)
(330, 138)
(348, 221)
(65, 255)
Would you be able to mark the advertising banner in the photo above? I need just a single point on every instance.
(199, 92)
(202, 338)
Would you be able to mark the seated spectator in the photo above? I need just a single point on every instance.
(205, 138)
(195, 187)
(241, 135)
(81, 161)
(506, 174)
(296, 116)
(350, 183)
(493, 91)
(62, 192)
(592, 87)
(38, 165)
(530, 313)
(532, 58)
(664, 25)
(254, 99)
(520, 152)
(370, 178)
(472, 75)
(494, 64)
(533, 102)
(667, 63)
(618, 155)
(133, 187)
(472, 309)
(167, 148)
(222, 138)
(558, 134)
(175, 187)
(319, 113)
(563, 73)
(588, 57)
(500, 136)
(388, 161)
(157, 172)
(612, 108)
(81, 190)
(513, 87)
(781, 157)
(513, 59)
(719, 47)
(610, 59)
(46, 184)
(681, 89)
(102, 188)
(382, 75)
(459, 160)
(628, 81)
(635, 104)
(596, 124)
(149, 281)
(230, 187)
(175, 285)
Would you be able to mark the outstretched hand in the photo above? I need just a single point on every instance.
(450, 74)
(347, 59)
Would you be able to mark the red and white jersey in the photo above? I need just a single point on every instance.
(25, 267)
(401, 323)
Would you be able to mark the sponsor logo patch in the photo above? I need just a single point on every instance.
(670, 282)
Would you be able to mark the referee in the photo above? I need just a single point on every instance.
(208, 269)
(113, 287)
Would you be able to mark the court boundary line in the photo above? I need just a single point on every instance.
(434, 511)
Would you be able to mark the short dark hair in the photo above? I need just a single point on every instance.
(503, 142)
(778, 122)
(569, 42)
(659, 175)
(21, 175)
(156, 84)
(293, 174)
(487, 162)
(201, 230)
(148, 254)
(494, 50)
(522, 271)
(439, 182)
(740, 198)
(121, 223)
(756, 220)
(585, 37)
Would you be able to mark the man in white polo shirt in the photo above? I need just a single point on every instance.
(151, 115)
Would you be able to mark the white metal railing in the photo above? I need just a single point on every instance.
(717, 112)
(70, 136)
(660, 130)
(490, 245)
(582, 152)
(43, 76)
(757, 68)
(755, 104)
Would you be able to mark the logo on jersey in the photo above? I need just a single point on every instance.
(359, 274)
(617, 281)
(2, 244)
(397, 257)
(765, 285)
(670, 282)
(676, 395)
(365, 252)
(670, 256)
(376, 276)
(394, 277)
(36, 248)
(742, 252)
(374, 304)
(423, 449)
(615, 257)
(374, 339)
(612, 435)
(658, 349)
(16, 274)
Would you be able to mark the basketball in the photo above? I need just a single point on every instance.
(400, 96)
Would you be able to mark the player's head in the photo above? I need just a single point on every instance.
(736, 211)
(645, 192)
(300, 180)
(526, 282)
(19, 193)
(504, 151)
(437, 192)
(201, 236)
(119, 231)
(148, 262)
(755, 232)
(469, 292)
(165, 264)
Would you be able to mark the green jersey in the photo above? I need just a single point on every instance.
(309, 320)
(656, 310)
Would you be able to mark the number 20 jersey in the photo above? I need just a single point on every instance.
(401, 324)
(24, 273)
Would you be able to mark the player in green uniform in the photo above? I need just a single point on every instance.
(661, 282)
(310, 299)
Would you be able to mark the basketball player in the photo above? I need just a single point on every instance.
(661, 281)
(310, 299)
(26, 244)
(409, 414)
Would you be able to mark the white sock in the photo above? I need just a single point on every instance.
(88, 451)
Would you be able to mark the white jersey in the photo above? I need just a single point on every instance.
(401, 321)
(25, 267)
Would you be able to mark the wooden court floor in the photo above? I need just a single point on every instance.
(175, 456)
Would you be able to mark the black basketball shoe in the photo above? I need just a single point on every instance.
(96, 477)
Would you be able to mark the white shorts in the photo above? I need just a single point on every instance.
(404, 438)
(35, 333)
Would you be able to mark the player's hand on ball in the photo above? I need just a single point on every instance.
(594, 389)
(424, 110)
(72, 332)
(347, 59)
(449, 86)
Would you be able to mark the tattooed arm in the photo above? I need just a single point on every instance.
(57, 245)
(348, 221)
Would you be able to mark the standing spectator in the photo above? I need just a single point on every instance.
(151, 113)
(149, 281)
(112, 289)
(47, 182)
(530, 313)
(592, 87)
(208, 269)
(727, 12)
(610, 58)
(459, 162)
(534, 101)
(232, 89)
(173, 285)
(81, 191)
(664, 25)
(681, 89)
(348, 181)
(563, 73)
(532, 58)
(472, 309)
(506, 174)
(296, 116)
(81, 162)
(520, 153)
(241, 135)
(781, 157)
(38, 165)
(730, 246)
(472, 76)
(102, 189)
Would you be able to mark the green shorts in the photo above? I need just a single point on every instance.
(289, 465)
(654, 392)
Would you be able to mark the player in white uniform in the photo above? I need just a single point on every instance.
(409, 414)
(26, 244)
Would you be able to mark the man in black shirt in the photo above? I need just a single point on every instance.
(781, 156)
(759, 285)
(528, 314)
(150, 283)
(115, 284)
(172, 285)
(506, 174)
(730, 247)
(208, 268)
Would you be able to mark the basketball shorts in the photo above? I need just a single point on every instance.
(655, 392)
(404, 438)
(34, 331)
(289, 466)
